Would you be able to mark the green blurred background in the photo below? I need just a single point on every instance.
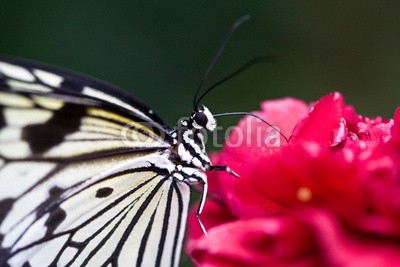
(160, 50)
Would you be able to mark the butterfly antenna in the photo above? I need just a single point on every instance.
(255, 116)
(218, 54)
(251, 62)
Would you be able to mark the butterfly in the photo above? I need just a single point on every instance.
(89, 175)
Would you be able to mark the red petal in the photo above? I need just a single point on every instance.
(252, 140)
(339, 247)
(323, 122)
(257, 242)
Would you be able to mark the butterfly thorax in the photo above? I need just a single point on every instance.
(188, 139)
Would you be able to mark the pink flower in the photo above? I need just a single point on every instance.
(330, 196)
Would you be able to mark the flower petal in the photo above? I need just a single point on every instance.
(257, 242)
(323, 123)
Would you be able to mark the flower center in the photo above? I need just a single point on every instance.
(304, 194)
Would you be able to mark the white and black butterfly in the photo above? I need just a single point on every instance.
(89, 175)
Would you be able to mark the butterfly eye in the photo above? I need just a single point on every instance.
(201, 119)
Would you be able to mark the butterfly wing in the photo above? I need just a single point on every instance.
(84, 173)
(38, 77)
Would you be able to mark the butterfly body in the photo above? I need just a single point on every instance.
(90, 176)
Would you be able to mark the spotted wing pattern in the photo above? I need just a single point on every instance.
(85, 174)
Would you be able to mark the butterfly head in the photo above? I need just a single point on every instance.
(202, 118)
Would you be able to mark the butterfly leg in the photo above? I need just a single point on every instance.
(201, 206)
(223, 168)
(204, 192)
(193, 176)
